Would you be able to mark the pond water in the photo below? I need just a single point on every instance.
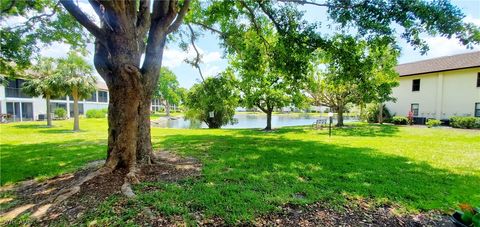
(248, 121)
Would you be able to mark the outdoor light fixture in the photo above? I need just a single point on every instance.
(211, 114)
(330, 116)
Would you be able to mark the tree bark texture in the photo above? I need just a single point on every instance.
(269, 121)
(340, 110)
(76, 121)
(167, 109)
(380, 113)
(49, 111)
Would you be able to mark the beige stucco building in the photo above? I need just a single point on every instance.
(439, 88)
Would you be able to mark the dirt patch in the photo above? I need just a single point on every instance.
(357, 213)
(31, 196)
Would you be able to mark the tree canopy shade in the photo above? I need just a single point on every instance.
(216, 95)
(43, 83)
(356, 71)
(126, 30)
(45, 22)
(75, 77)
(168, 89)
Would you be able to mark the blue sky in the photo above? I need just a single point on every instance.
(213, 54)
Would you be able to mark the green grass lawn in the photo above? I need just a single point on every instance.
(247, 173)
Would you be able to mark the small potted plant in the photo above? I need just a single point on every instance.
(467, 216)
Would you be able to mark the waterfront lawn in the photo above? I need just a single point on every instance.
(247, 173)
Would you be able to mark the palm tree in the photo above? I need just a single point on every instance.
(75, 76)
(43, 83)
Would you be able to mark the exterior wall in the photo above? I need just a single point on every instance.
(40, 106)
(441, 96)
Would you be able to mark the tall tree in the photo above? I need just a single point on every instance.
(74, 75)
(43, 83)
(262, 83)
(168, 89)
(355, 71)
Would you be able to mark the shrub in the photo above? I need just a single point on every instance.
(464, 122)
(97, 113)
(373, 112)
(60, 112)
(399, 120)
(433, 123)
(216, 95)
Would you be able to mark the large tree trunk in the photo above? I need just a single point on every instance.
(49, 111)
(144, 143)
(76, 120)
(119, 47)
(340, 110)
(123, 118)
(269, 121)
(167, 108)
(380, 113)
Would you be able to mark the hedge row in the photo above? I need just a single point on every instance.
(97, 113)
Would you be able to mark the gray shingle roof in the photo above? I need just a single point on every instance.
(459, 61)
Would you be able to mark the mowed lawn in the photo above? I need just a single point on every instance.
(247, 172)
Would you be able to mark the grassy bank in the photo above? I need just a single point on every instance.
(247, 173)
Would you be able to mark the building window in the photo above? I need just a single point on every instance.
(14, 89)
(57, 105)
(102, 96)
(93, 97)
(416, 85)
(414, 108)
(478, 79)
(20, 110)
(477, 109)
(80, 109)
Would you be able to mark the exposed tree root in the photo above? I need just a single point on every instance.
(72, 194)
(75, 188)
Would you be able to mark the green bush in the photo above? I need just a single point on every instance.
(60, 112)
(399, 120)
(433, 123)
(97, 113)
(465, 122)
(373, 112)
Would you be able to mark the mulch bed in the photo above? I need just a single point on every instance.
(358, 213)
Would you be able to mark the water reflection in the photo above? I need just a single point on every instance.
(247, 121)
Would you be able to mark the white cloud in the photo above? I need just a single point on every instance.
(174, 57)
(211, 70)
(439, 46)
(212, 57)
(471, 19)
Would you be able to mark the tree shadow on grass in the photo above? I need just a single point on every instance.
(245, 176)
(33, 126)
(26, 161)
(360, 130)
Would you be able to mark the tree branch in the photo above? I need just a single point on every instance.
(97, 7)
(251, 14)
(196, 62)
(143, 18)
(204, 26)
(83, 19)
(181, 14)
(304, 2)
(9, 7)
